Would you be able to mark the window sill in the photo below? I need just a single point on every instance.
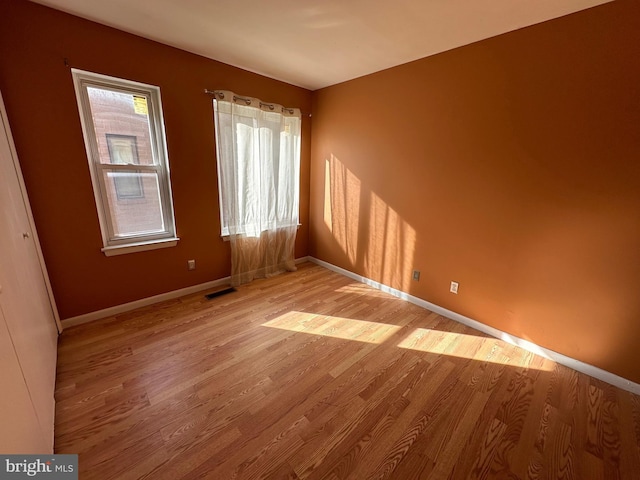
(140, 246)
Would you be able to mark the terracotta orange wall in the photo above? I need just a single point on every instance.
(41, 105)
(511, 166)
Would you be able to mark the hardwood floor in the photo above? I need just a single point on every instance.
(310, 375)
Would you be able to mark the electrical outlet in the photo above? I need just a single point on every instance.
(454, 287)
(191, 264)
(416, 275)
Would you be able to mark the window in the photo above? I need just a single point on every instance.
(258, 153)
(126, 148)
(123, 150)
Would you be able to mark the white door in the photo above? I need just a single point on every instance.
(24, 298)
(21, 432)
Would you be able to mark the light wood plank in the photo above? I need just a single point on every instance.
(310, 375)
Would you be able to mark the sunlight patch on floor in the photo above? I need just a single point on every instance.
(482, 349)
(364, 290)
(335, 327)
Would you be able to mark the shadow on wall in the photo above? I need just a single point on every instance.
(372, 236)
(552, 265)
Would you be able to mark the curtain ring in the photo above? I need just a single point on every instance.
(247, 101)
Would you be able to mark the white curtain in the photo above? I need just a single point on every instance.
(258, 147)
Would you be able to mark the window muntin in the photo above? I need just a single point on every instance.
(126, 148)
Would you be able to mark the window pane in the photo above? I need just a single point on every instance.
(134, 203)
(122, 129)
(126, 148)
(123, 149)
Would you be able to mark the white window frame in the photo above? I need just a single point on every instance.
(112, 244)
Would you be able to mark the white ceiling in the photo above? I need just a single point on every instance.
(317, 43)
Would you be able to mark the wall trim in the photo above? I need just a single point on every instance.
(144, 302)
(577, 365)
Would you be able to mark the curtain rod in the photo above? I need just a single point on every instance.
(248, 101)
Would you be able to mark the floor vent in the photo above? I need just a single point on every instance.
(224, 291)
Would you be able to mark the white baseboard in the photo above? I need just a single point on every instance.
(577, 365)
(144, 302)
